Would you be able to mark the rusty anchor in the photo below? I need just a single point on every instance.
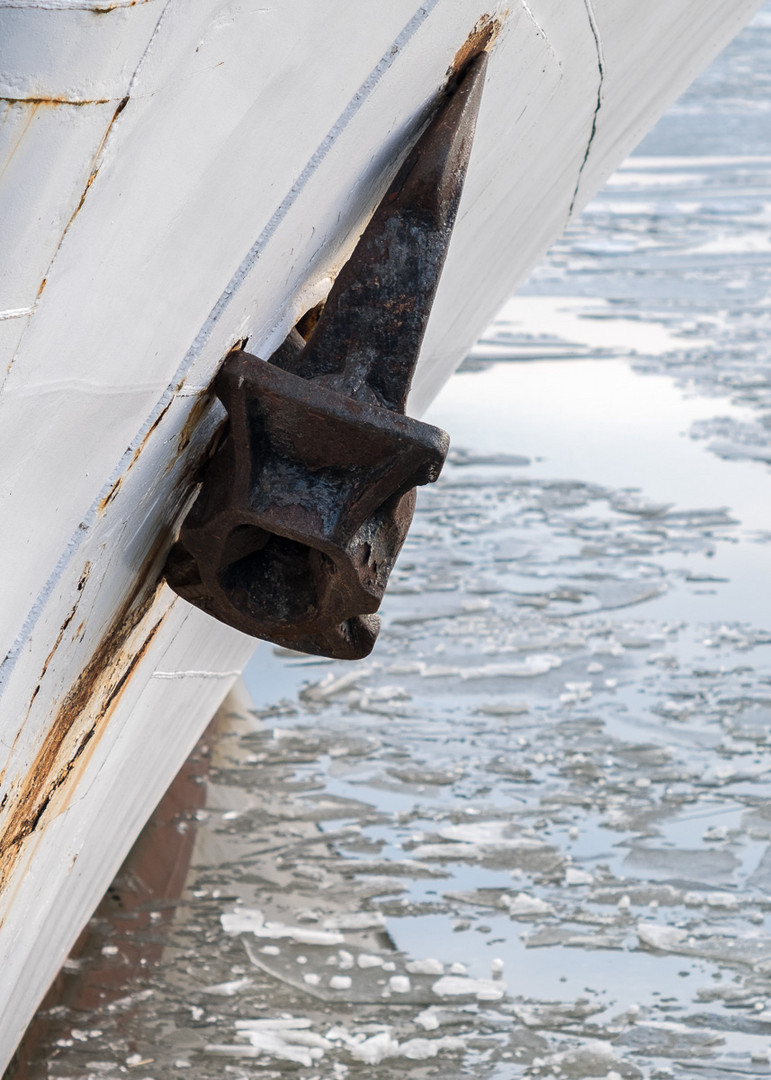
(307, 500)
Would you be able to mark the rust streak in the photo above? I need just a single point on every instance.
(486, 30)
(91, 699)
(193, 419)
(76, 766)
(149, 433)
(105, 502)
(68, 619)
(36, 101)
(95, 169)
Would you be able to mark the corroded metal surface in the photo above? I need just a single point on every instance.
(305, 505)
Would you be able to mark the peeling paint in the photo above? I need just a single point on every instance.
(486, 30)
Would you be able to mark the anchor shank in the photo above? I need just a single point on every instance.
(367, 340)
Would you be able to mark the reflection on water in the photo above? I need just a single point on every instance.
(531, 836)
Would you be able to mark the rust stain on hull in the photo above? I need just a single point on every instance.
(105, 502)
(80, 719)
(54, 101)
(486, 30)
(193, 419)
(148, 436)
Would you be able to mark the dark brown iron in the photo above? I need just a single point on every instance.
(306, 502)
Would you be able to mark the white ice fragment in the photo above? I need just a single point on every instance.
(375, 1049)
(425, 967)
(285, 1040)
(270, 950)
(400, 984)
(340, 982)
(485, 834)
(355, 920)
(227, 989)
(624, 903)
(428, 1019)
(311, 978)
(594, 668)
(521, 905)
(664, 938)
(369, 960)
(463, 986)
(252, 921)
(421, 1049)
(496, 968)
(383, 1045)
(574, 876)
(458, 969)
(592, 1058)
(712, 899)
(529, 666)
(109, 950)
(388, 693)
(611, 683)
(573, 832)
(345, 959)
(331, 685)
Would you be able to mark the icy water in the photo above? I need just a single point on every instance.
(531, 836)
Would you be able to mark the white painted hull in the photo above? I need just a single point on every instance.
(175, 177)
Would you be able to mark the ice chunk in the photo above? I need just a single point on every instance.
(285, 1039)
(425, 967)
(252, 921)
(658, 936)
(369, 960)
(522, 906)
(375, 1049)
(463, 986)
